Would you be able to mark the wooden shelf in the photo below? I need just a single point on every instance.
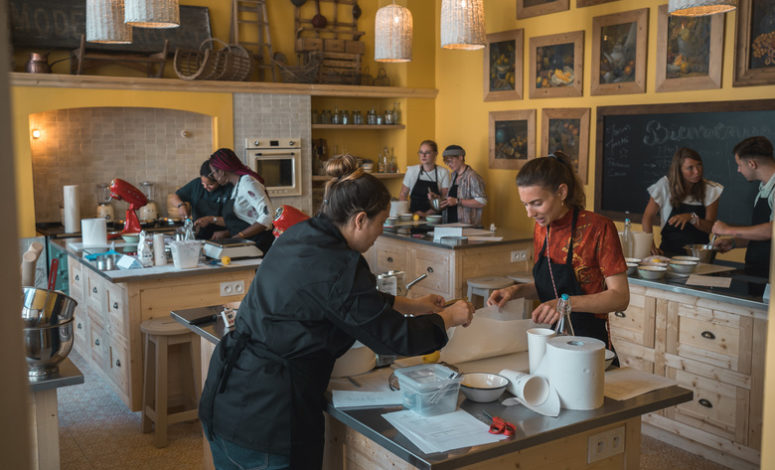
(382, 127)
(56, 80)
(381, 176)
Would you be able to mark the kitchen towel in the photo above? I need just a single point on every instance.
(575, 367)
(94, 232)
(72, 211)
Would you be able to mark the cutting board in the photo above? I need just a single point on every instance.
(705, 268)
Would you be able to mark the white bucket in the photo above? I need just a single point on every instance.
(642, 242)
(398, 207)
(185, 253)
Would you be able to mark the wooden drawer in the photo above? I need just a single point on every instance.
(117, 313)
(634, 355)
(436, 266)
(119, 363)
(75, 277)
(81, 332)
(99, 345)
(95, 291)
(714, 337)
(391, 258)
(717, 408)
(636, 324)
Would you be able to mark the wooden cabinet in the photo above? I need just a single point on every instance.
(714, 348)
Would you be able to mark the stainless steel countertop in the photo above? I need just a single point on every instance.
(509, 236)
(532, 429)
(68, 374)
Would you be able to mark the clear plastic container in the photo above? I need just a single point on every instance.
(429, 389)
(185, 253)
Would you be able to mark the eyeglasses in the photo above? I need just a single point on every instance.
(425, 153)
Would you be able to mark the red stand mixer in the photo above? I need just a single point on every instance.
(121, 190)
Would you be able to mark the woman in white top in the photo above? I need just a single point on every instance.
(248, 213)
(686, 202)
(424, 181)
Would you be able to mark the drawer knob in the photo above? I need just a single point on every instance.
(705, 403)
(80, 326)
(77, 277)
(94, 289)
(620, 314)
(389, 259)
(97, 342)
(115, 305)
(708, 335)
(430, 270)
(118, 363)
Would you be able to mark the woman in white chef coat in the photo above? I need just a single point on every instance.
(424, 181)
(686, 202)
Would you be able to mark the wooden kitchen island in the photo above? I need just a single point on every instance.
(112, 304)
(710, 340)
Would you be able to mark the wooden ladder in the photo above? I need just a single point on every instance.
(253, 12)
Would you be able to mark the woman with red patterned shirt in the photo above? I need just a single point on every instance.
(577, 251)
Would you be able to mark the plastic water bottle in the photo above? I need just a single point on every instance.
(564, 326)
(627, 236)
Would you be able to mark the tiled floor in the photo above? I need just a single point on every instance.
(97, 431)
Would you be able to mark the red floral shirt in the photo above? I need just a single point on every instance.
(597, 251)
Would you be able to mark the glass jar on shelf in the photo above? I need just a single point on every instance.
(346, 117)
(396, 113)
(371, 117)
(336, 118)
(315, 119)
(388, 117)
(325, 117)
(357, 117)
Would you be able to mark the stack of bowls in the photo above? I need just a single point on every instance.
(682, 266)
(48, 330)
(632, 265)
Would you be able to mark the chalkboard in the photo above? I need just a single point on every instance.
(635, 145)
(59, 24)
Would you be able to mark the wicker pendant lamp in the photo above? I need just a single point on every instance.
(699, 7)
(105, 22)
(393, 34)
(462, 24)
(152, 13)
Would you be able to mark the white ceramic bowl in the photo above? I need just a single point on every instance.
(683, 267)
(632, 268)
(652, 273)
(406, 217)
(686, 258)
(131, 237)
(433, 219)
(482, 387)
(609, 358)
(632, 260)
(656, 260)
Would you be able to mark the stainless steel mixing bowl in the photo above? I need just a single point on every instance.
(46, 347)
(43, 307)
(701, 251)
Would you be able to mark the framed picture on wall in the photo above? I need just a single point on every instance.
(567, 129)
(556, 65)
(528, 8)
(619, 44)
(512, 138)
(755, 44)
(689, 51)
(503, 65)
(589, 3)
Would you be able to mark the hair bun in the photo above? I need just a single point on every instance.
(341, 166)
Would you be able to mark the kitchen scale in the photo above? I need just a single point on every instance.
(234, 248)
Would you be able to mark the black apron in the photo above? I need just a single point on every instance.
(419, 195)
(450, 213)
(235, 225)
(674, 239)
(584, 324)
(757, 256)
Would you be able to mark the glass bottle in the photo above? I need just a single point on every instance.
(627, 236)
(393, 164)
(396, 113)
(371, 117)
(315, 117)
(388, 117)
(336, 118)
(564, 326)
(346, 117)
(357, 117)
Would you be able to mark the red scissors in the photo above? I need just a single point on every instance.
(500, 426)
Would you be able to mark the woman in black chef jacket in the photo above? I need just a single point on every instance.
(686, 202)
(248, 212)
(424, 181)
(206, 198)
(577, 251)
(312, 297)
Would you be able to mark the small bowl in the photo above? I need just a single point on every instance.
(652, 273)
(609, 358)
(482, 387)
(632, 260)
(632, 268)
(700, 250)
(406, 217)
(685, 258)
(131, 237)
(391, 221)
(433, 219)
(683, 267)
(656, 260)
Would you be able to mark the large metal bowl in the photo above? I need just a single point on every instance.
(43, 307)
(702, 251)
(45, 347)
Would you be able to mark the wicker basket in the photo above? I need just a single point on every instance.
(306, 73)
(231, 62)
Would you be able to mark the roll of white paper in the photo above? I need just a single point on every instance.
(536, 345)
(94, 232)
(642, 244)
(159, 257)
(575, 367)
(533, 391)
(72, 211)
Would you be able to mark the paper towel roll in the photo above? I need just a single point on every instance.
(533, 391)
(575, 367)
(94, 232)
(72, 211)
(159, 257)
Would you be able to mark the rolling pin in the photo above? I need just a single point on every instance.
(29, 260)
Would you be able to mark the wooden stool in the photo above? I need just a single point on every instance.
(483, 287)
(164, 333)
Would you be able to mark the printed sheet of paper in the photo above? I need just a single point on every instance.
(626, 383)
(442, 432)
(708, 281)
(354, 399)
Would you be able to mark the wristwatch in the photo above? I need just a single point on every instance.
(695, 218)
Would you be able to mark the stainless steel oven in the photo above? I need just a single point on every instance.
(278, 161)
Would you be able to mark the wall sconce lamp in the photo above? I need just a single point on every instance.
(35, 134)
(462, 24)
(393, 34)
(699, 7)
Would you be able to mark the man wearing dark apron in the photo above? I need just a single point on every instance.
(675, 238)
(418, 198)
(754, 158)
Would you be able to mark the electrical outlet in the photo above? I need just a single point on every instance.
(232, 288)
(518, 255)
(605, 444)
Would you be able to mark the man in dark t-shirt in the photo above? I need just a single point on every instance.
(205, 198)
